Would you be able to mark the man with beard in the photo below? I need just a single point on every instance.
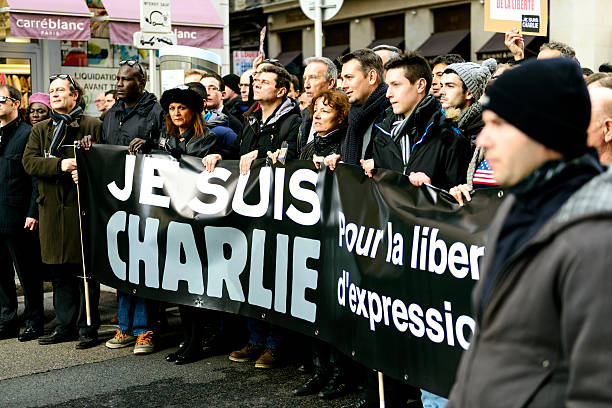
(462, 87)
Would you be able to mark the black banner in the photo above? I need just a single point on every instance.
(377, 267)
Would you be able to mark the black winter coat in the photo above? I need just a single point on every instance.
(282, 125)
(437, 149)
(145, 121)
(199, 147)
(232, 107)
(18, 190)
(304, 134)
(234, 123)
(324, 146)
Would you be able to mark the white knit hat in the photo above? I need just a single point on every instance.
(473, 75)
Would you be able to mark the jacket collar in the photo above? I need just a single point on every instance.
(285, 108)
(142, 107)
(11, 126)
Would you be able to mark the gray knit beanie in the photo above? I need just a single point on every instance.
(473, 75)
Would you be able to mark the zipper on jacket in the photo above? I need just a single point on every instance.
(501, 277)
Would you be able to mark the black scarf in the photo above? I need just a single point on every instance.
(328, 144)
(61, 121)
(359, 119)
(538, 197)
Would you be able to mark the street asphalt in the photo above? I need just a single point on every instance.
(58, 375)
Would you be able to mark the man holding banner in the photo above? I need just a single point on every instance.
(49, 156)
(543, 302)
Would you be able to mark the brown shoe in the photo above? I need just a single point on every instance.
(268, 359)
(250, 352)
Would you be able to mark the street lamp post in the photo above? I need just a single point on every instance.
(318, 29)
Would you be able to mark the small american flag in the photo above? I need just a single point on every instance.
(484, 174)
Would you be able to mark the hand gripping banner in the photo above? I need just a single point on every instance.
(380, 269)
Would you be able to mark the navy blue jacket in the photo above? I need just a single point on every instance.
(18, 190)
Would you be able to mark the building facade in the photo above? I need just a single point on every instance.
(431, 26)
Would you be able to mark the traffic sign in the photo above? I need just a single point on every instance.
(153, 41)
(155, 16)
(329, 8)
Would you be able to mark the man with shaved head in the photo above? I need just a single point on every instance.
(600, 129)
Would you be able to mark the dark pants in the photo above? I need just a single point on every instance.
(326, 360)
(192, 320)
(69, 301)
(21, 251)
(265, 334)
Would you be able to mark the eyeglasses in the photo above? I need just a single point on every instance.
(63, 76)
(132, 63)
(212, 88)
(3, 99)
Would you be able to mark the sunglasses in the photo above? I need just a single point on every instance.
(4, 99)
(63, 76)
(132, 63)
(273, 61)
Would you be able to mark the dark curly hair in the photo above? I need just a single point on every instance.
(334, 99)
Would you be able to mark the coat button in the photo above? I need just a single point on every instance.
(545, 363)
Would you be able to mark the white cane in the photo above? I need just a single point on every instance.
(381, 390)
(85, 282)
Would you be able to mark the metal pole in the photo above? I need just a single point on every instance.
(318, 29)
(152, 72)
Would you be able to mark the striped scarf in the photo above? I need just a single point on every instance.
(61, 121)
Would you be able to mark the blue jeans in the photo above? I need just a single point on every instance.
(264, 334)
(134, 314)
(430, 400)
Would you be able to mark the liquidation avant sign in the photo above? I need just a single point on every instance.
(377, 267)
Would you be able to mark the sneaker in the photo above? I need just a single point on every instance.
(144, 343)
(120, 340)
(268, 359)
(250, 352)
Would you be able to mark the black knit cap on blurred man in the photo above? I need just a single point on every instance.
(543, 303)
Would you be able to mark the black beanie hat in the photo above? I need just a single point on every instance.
(232, 81)
(546, 99)
(182, 94)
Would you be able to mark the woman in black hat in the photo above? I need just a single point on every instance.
(185, 131)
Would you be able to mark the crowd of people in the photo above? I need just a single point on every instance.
(541, 128)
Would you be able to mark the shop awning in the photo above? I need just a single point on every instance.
(495, 47)
(333, 52)
(59, 19)
(442, 43)
(286, 58)
(394, 42)
(195, 22)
